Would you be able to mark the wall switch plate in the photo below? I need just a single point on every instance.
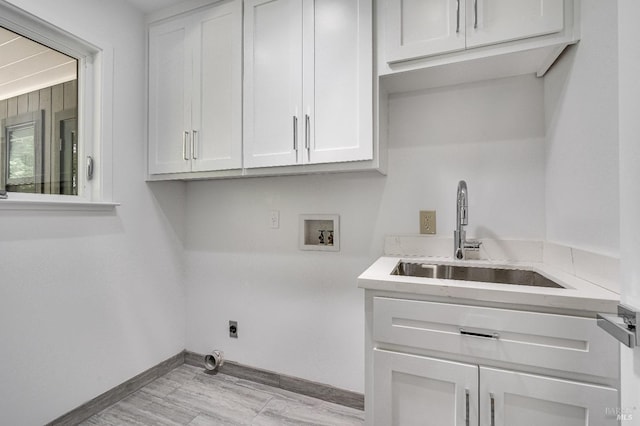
(427, 221)
(233, 329)
(274, 219)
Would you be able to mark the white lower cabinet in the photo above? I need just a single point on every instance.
(418, 390)
(510, 398)
(441, 364)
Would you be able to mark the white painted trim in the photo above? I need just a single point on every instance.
(178, 9)
(57, 205)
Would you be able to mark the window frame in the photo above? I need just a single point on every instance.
(95, 98)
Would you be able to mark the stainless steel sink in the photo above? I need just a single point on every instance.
(472, 273)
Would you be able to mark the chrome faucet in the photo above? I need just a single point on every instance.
(460, 243)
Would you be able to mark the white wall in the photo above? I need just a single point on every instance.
(300, 313)
(581, 109)
(629, 97)
(88, 300)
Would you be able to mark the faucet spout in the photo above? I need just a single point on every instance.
(460, 242)
(463, 206)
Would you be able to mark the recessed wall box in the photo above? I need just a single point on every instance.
(319, 232)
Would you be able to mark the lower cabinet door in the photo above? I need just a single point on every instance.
(416, 390)
(509, 398)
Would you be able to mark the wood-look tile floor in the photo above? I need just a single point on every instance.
(189, 396)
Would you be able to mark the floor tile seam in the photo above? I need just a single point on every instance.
(166, 400)
(264, 407)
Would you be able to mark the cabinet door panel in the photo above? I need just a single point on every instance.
(416, 390)
(273, 82)
(217, 79)
(338, 80)
(169, 96)
(419, 28)
(524, 399)
(504, 20)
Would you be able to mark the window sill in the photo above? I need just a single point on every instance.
(57, 205)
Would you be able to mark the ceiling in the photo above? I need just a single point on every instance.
(149, 6)
(26, 66)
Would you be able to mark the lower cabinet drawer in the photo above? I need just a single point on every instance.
(558, 342)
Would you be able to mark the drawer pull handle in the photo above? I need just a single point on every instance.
(476, 334)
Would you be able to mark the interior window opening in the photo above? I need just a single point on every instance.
(38, 117)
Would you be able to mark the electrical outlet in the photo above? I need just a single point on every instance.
(233, 329)
(427, 221)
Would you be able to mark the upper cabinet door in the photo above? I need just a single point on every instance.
(419, 28)
(338, 87)
(217, 88)
(496, 21)
(273, 82)
(169, 97)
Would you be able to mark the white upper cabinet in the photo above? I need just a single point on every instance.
(308, 82)
(217, 89)
(273, 82)
(420, 28)
(169, 96)
(338, 86)
(497, 21)
(195, 91)
(417, 28)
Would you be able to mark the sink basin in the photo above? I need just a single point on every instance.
(472, 273)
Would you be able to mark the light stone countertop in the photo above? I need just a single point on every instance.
(578, 294)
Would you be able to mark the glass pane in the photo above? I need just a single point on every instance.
(38, 117)
(22, 161)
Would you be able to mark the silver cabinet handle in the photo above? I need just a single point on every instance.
(457, 16)
(295, 133)
(493, 409)
(306, 131)
(194, 151)
(466, 405)
(475, 14)
(185, 154)
(307, 135)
